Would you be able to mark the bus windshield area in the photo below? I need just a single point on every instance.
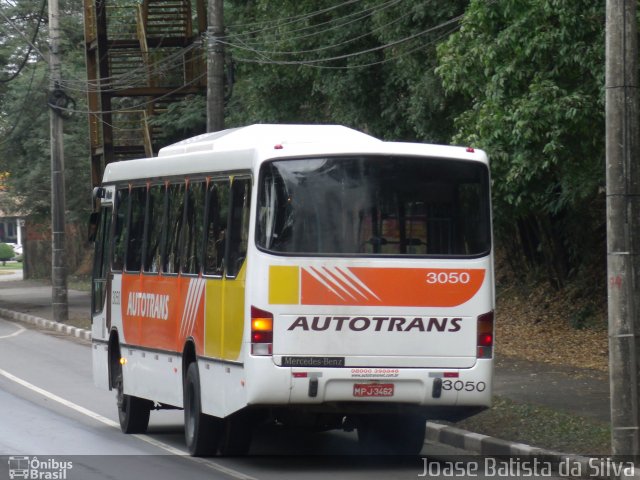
(374, 205)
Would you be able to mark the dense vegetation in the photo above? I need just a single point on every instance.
(522, 79)
(533, 73)
(24, 114)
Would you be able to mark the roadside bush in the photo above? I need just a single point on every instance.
(6, 253)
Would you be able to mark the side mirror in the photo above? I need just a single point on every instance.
(96, 195)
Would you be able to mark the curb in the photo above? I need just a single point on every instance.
(494, 447)
(487, 445)
(46, 324)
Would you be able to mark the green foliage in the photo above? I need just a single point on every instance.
(24, 114)
(282, 75)
(182, 119)
(533, 72)
(389, 91)
(522, 79)
(6, 252)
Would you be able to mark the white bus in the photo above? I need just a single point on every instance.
(302, 274)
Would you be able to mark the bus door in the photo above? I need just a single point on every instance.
(101, 287)
(100, 297)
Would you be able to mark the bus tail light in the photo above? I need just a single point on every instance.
(261, 332)
(485, 335)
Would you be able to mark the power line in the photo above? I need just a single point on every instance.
(132, 78)
(341, 44)
(30, 43)
(26, 57)
(129, 79)
(140, 104)
(385, 60)
(293, 19)
(264, 53)
(338, 22)
(174, 60)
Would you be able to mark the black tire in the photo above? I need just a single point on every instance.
(236, 435)
(391, 434)
(133, 412)
(201, 432)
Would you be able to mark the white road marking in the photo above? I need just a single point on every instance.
(145, 438)
(14, 334)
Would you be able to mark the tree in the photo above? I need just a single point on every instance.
(182, 119)
(381, 79)
(368, 64)
(533, 72)
(6, 253)
(24, 116)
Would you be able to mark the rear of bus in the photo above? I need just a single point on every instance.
(372, 300)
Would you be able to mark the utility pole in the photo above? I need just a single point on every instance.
(623, 224)
(59, 299)
(215, 67)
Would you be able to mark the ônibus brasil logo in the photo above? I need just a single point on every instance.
(33, 468)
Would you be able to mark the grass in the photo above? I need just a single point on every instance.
(542, 427)
(11, 266)
(80, 321)
(80, 283)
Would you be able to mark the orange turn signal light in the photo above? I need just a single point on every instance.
(262, 324)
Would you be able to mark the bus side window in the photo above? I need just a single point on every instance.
(101, 261)
(120, 232)
(238, 225)
(155, 231)
(193, 229)
(215, 226)
(138, 200)
(175, 210)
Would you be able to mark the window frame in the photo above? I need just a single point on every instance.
(208, 178)
(132, 187)
(114, 224)
(230, 220)
(213, 181)
(183, 182)
(488, 213)
(102, 245)
(189, 181)
(163, 186)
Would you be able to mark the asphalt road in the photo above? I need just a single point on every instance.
(51, 412)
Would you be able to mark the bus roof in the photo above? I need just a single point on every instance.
(245, 148)
(265, 135)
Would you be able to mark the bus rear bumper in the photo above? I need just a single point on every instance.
(420, 387)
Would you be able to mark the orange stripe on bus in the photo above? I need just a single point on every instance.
(410, 287)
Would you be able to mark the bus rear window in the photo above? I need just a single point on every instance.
(374, 205)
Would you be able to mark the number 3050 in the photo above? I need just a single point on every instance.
(448, 277)
(468, 386)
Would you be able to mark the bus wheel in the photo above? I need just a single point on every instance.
(391, 434)
(133, 412)
(201, 432)
(236, 435)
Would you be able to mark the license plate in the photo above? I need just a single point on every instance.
(373, 390)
